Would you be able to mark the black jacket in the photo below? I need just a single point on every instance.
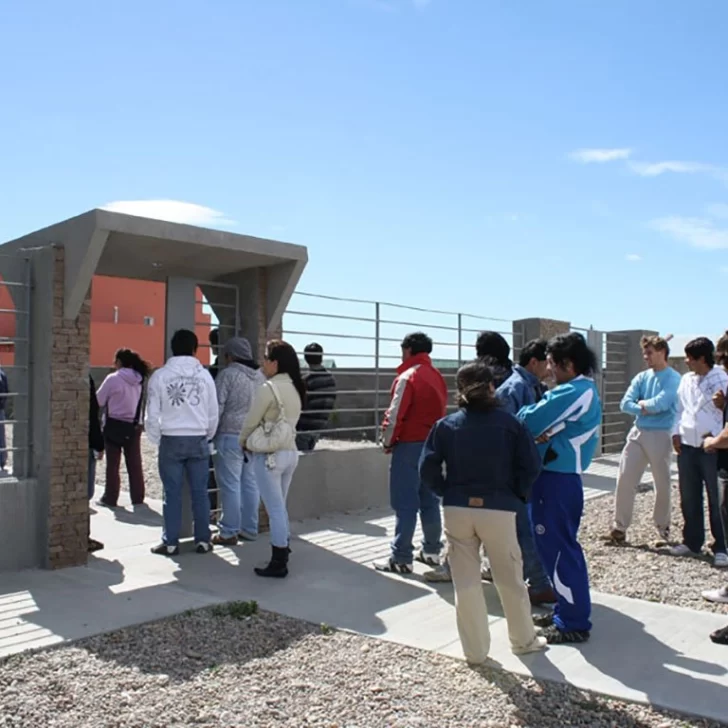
(95, 436)
(320, 400)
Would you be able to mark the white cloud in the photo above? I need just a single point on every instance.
(599, 156)
(700, 232)
(172, 211)
(633, 257)
(655, 169)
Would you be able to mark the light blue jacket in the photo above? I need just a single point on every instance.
(572, 414)
(658, 391)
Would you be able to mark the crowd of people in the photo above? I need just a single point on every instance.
(501, 477)
(240, 413)
(685, 415)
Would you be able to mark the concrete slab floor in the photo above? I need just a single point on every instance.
(639, 651)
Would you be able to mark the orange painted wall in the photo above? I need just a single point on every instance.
(7, 326)
(112, 330)
(134, 300)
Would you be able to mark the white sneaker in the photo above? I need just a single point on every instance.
(538, 644)
(681, 550)
(719, 596)
(720, 560)
(428, 559)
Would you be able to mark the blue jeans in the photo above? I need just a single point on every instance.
(91, 474)
(409, 496)
(239, 494)
(180, 456)
(533, 571)
(274, 484)
(557, 507)
(698, 469)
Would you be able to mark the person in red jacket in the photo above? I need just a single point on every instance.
(419, 399)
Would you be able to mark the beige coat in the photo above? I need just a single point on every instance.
(264, 407)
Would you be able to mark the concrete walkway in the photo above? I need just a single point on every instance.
(639, 651)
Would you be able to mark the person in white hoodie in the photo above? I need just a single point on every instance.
(182, 415)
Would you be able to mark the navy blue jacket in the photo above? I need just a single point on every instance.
(490, 459)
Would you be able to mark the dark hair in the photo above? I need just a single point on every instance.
(283, 353)
(214, 337)
(184, 343)
(313, 354)
(721, 349)
(657, 343)
(573, 347)
(535, 349)
(492, 344)
(474, 382)
(417, 343)
(701, 348)
(131, 360)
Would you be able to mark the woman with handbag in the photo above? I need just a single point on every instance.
(269, 438)
(121, 394)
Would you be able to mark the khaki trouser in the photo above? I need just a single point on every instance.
(466, 529)
(643, 447)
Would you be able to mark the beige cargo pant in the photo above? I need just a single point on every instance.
(653, 447)
(466, 529)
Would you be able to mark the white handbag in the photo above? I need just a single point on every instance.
(272, 436)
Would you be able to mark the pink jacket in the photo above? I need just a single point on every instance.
(120, 393)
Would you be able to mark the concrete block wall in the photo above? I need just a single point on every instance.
(68, 510)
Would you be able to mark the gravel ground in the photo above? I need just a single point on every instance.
(640, 569)
(209, 668)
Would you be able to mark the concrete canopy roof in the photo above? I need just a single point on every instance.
(100, 242)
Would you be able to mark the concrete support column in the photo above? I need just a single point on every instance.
(525, 330)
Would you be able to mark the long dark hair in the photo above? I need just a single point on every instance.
(573, 348)
(474, 383)
(288, 363)
(131, 360)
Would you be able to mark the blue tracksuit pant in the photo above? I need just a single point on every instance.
(557, 506)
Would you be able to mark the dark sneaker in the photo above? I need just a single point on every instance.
(616, 537)
(543, 620)
(94, 545)
(427, 559)
(720, 636)
(391, 566)
(163, 549)
(105, 504)
(203, 547)
(556, 636)
(219, 540)
(545, 596)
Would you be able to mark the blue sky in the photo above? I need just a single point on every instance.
(508, 159)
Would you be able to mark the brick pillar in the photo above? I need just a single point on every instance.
(525, 330)
(68, 513)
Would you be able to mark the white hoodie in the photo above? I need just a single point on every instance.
(181, 401)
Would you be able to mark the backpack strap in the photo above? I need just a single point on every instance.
(138, 413)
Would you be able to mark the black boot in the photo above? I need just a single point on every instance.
(278, 566)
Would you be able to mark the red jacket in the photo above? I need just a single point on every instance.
(419, 399)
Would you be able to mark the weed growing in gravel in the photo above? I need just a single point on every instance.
(236, 610)
(326, 629)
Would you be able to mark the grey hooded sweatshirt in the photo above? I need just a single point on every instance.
(236, 384)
